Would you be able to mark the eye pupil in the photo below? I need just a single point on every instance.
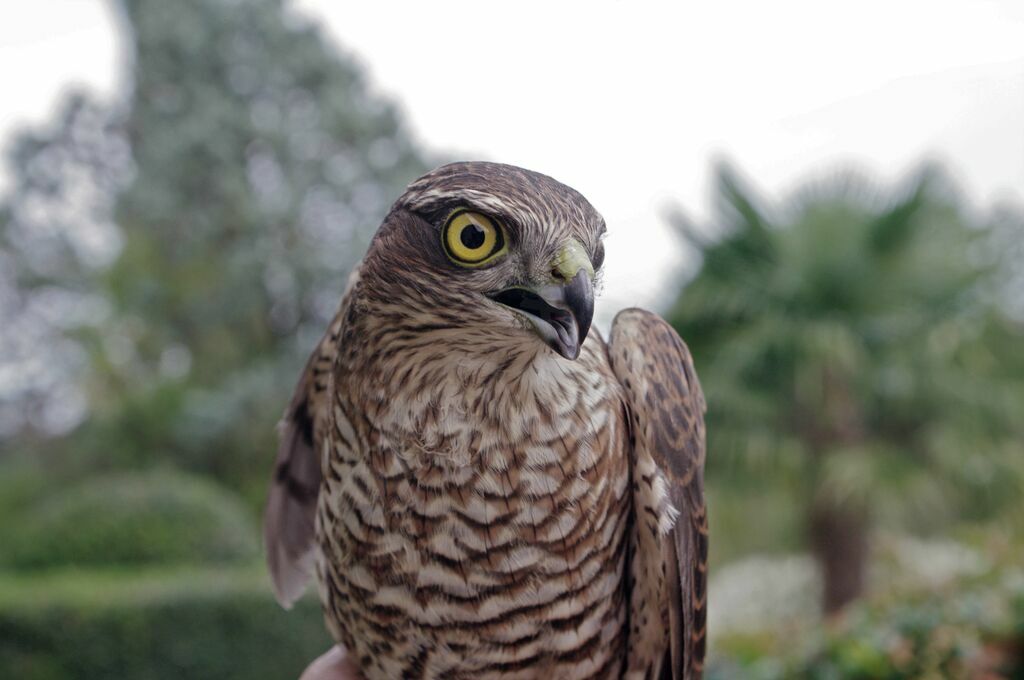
(472, 236)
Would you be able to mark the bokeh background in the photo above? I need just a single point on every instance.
(827, 201)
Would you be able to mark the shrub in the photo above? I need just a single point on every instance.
(158, 517)
(970, 630)
(202, 625)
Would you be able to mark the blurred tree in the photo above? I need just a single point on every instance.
(849, 346)
(56, 236)
(252, 167)
(263, 165)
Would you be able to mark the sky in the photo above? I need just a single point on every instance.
(632, 103)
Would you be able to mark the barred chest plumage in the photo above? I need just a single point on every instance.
(473, 515)
(467, 479)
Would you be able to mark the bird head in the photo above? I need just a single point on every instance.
(494, 250)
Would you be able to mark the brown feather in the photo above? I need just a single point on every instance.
(288, 530)
(289, 520)
(667, 404)
(474, 513)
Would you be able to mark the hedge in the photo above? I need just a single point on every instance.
(208, 624)
(159, 517)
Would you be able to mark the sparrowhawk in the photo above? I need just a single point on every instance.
(484, 487)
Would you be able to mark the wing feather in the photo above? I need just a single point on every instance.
(289, 532)
(666, 407)
(288, 522)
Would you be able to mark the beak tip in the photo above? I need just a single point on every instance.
(579, 297)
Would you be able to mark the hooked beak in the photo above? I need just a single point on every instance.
(560, 313)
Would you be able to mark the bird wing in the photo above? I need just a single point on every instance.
(666, 414)
(289, 519)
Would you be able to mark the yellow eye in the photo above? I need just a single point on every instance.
(472, 239)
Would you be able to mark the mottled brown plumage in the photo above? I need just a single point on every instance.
(477, 502)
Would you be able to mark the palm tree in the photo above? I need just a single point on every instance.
(844, 333)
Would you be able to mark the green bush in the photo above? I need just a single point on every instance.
(971, 630)
(158, 517)
(21, 481)
(959, 635)
(214, 624)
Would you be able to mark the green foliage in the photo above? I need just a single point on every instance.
(974, 630)
(255, 190)
(750, 518)
(130, 520)
(56, 234)
(201, 625)
(256, 185)
(21, 482)
(851, 349)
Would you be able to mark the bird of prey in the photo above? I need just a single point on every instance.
(483, 487)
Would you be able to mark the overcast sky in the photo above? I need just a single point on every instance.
(630, 102)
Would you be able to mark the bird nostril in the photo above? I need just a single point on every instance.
(557, 274)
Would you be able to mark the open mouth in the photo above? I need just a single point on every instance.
(556, 326)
